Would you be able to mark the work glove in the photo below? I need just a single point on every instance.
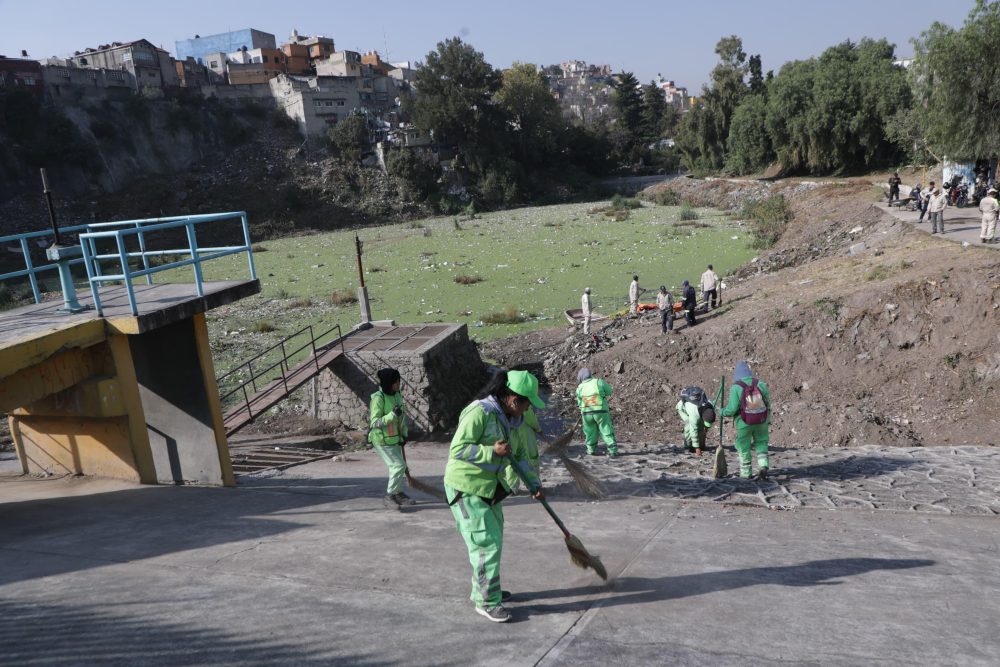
(398, 411)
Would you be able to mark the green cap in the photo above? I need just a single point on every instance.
(525, 384)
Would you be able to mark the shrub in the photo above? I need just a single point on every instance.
(687, 212)
(509, 315)
(768, 219)
(263, 326)
(349, 138)
(666, 198)
(281, 293)
(620, 203)
(303, 302)
(256, 247)
(342, 297)
(468, 280)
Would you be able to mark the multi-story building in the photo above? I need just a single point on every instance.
(65, 83)
(200, 48)
(319, 47)
(341, 63)
(297, 59)
(191, 74)
(674, 95)
(316, 103)
(583, 90)
(21, 73)
(255, 65)
(149, 65)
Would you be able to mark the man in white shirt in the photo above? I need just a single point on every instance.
(585, 306)
(935, 207)
(665, 304)
(709, 288)
(989, 207)
(633, 296)
(925, 197)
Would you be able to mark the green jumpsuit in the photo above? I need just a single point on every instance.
(748, 434)
(386, 434)
(527, 442)
(694, 426)
(473, 476)
(592, 398)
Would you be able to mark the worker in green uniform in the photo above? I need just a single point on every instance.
(697, 416)
(750, 406)
(388, 434)
(592, 398)
(527, 443)
(486, 442)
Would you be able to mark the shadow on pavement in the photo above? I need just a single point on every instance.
(638, 590)
(91, 635)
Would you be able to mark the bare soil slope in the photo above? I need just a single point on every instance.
(898, 345)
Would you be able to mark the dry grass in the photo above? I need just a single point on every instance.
(258, 248)
(342, 297)
(263, 326)
(468, 280)
(509, 315)
(301, 303)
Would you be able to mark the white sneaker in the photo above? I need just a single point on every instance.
(496, 614)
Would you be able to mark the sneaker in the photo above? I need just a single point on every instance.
(505, 596)
(591, 452)
(762, 473)
(404, 499)
(613, 454)
(390, 502)
(496, 614)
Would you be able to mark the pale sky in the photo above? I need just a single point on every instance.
(673, 38)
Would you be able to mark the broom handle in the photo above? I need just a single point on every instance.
(545, 503)
(402, 450)
(722, 398)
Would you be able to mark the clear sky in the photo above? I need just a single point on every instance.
(673, 38)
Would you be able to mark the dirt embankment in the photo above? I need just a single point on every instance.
(896, 345)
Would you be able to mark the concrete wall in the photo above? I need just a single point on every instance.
(225, 42)
(176, 405)
(437, 383)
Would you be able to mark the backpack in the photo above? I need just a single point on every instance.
(753, 407)
(694, 395)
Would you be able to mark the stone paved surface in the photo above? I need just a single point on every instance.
(945, 480)
(960, 224)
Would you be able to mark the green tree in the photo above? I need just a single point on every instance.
(627, 100)
(956, 75)
(350, 137)
(418, 175)
(654, 112)
(535, 120)
(454, 101)
(749, 143)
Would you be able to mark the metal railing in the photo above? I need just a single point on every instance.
(259, 375)
(121, 231)
(31, 270)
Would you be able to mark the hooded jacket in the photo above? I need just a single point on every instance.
(473, 466)
(742, 373)
(385, 427)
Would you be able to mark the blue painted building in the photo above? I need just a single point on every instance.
(226, 42)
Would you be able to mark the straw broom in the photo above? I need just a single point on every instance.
(419, 485)
(584, 480)
(578, 554)
(720, 469)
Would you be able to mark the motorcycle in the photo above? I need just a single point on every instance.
(958, 192)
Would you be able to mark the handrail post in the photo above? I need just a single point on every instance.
(246, 399)
(284, 365)
(253, 378)
(142, 249)
(87, 259)
(26, 249)
(193, 242)
(127, 273)
(246, 240)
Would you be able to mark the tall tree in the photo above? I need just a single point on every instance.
(628, 103)
(454, 101)
(654, 112)
(533, 114)
(956, 75)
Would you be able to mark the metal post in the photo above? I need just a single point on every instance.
(94, 286)
(26, 249)
(48, 201)
(361, 271)
(126, 273)
(246, 239)
(142, 249)
(193, 242)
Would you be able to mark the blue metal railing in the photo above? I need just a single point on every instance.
(30, 268)
(121, 231)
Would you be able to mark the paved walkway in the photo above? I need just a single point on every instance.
(306, 568)
(960, 224)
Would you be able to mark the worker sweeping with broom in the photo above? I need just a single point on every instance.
(592, 398)
(487, 442)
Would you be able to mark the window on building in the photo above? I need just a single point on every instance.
(214, 64)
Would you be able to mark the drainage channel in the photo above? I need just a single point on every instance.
(258, 459)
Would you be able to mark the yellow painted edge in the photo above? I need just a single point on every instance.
(126, 325)
(15, 431)
(212, 391)
(31, 350)
(142, 452)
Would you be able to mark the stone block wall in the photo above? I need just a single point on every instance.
(438, 380)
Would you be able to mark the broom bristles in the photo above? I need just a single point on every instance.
(424, 487)
(579, 556)
(559, 445)
(584, 480)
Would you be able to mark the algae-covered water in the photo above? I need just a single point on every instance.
(535, 261)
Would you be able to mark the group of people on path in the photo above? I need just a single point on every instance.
(933, 202)
(494, 450)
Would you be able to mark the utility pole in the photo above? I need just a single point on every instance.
(366, 310)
